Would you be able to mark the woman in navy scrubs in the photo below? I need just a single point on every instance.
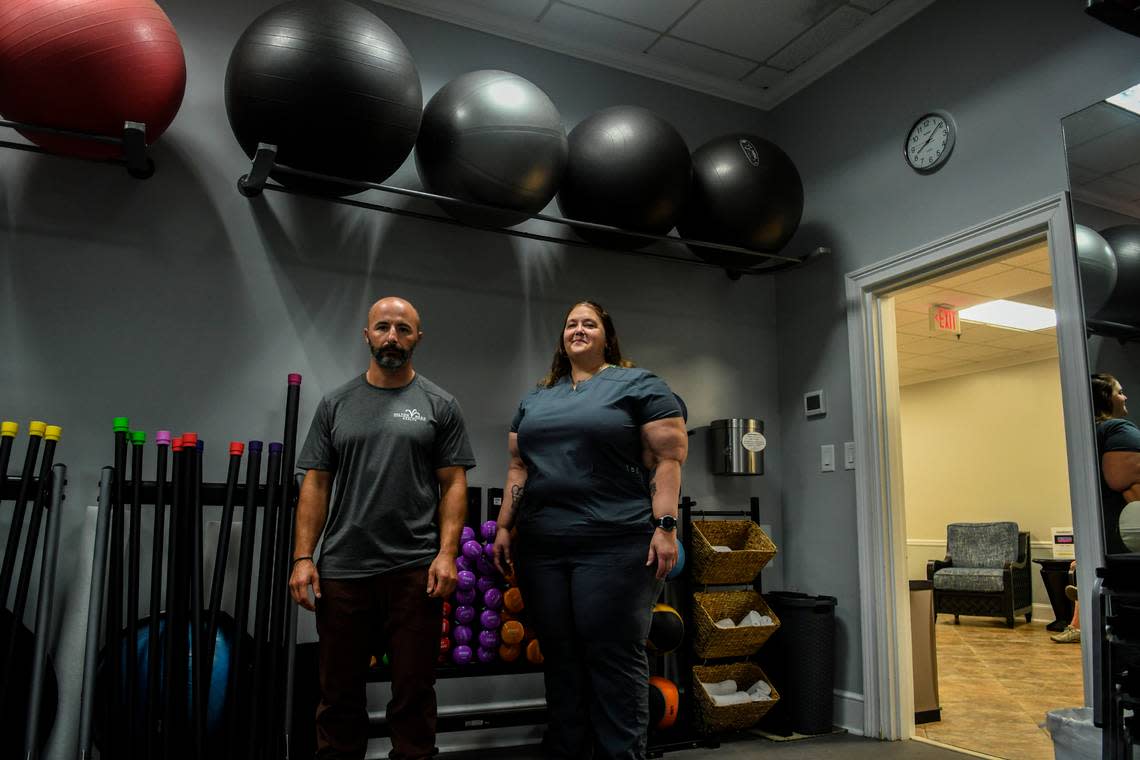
(592, 488)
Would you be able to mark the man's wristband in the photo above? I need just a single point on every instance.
(300, 559)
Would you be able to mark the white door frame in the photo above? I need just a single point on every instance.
(883, 591)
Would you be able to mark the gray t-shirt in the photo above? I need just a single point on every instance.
(383, 446)
(583, 454)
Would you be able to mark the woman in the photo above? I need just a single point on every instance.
(1118, 445)
(597, 450)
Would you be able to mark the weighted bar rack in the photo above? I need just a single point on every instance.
(133, 143)
(265, 162)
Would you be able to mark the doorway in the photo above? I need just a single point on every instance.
(884, 592)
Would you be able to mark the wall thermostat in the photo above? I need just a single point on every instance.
(814, 404)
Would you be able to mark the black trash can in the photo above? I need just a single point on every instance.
(799, 658)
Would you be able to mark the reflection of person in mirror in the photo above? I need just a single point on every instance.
(1118, 446)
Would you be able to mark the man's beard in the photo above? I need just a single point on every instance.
(391, 356)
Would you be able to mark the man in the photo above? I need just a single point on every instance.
(391, 450)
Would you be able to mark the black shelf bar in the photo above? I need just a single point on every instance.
(1105, 329)
(265, 161)
(473, 720)
(383, 673)
(133, 143)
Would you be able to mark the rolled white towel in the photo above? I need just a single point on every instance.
(754, 618)
(736, 698)
(720, 688)
(725, 623)
(759, 691)
(722, 548)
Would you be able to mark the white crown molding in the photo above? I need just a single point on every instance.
(513, 28)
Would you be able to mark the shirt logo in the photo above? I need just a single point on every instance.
(410, 415)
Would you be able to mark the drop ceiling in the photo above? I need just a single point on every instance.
(925, 355)
(1103, 144)
(756, 52)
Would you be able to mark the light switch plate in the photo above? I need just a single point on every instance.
(827, 457)
(849, 455)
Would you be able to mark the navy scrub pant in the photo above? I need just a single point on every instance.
(354, 618)
(591, 601)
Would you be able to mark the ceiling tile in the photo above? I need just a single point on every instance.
(934, 362)
(701, 58)
(1114, 188)
(751, 28)
(908, 317)
(974, 353)
(1023, 341)
(824, 34)
(1042, 297)
(1131, 175)
(526, 9)
(922, 346)
(1078, 175)
(1096, 120)
(980, 335)
(578, 24)
(1109, 152)
(655, 14)
(1039, 254)
(976, 273)
(869, 5)
(1007, 284)
(765, 77)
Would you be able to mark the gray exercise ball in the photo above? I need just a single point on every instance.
(628, 168)
(494, 138)
(1123, 305)
(331, 85)
(746, 192)
(1097, 266)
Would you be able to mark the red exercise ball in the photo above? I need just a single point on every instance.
(89, 65)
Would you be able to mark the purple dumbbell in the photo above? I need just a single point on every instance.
(467, 534)
(489, 620)
(484, 567)
(489, 551)
(493, 599)
(487, 655)
(462, 563)
(488, 530)
(465, 596)
(485, 582)
(472, 549)
(461, 655)
(488, 639)
(466, 579)
(462, 634)
(464, 614)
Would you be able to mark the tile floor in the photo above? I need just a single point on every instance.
(996, 684)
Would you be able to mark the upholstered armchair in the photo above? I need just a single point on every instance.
(986, 572)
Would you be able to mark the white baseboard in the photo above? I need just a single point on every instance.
(849, 711)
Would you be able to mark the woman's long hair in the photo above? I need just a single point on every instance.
(1103, 388)
(560, 365)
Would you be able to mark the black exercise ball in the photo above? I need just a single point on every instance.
(492, 137)
(746, 192)
(1123, 305)
(331, 85)
(1097, 267)
(627, 168)
(666, 630)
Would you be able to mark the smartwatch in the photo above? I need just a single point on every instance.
(668, 522)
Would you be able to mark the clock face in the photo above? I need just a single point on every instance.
(929, 142)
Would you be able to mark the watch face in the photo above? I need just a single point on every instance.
(929, 142)
(668, 522)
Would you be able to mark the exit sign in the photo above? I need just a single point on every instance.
(944, 318)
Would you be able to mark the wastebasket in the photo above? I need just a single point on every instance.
(1074, 735)
(799, 658)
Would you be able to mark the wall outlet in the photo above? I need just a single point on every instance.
(827, 457)
(849, 455)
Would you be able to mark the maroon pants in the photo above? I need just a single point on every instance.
(361, 617)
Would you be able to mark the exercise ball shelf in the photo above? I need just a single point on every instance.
(1115, 330)
(264, 161)
(132, 145)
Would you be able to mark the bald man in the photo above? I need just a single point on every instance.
(386, 483)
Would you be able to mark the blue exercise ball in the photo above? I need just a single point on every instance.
(494, 138)
(746, 192)
(331, 85)
(627, 168)
(680, 566)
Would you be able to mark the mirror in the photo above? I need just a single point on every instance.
(1102, 144)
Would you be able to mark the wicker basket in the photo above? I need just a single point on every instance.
(751, 550)
(711, 606)
(711, 718)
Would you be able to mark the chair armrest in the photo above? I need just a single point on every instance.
(1023, 553)
(934, 565)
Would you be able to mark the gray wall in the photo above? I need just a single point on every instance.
(183, 305)
(1008, 72)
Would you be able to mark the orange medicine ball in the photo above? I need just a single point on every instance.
(509, 652)
(513, 601)
(534, 652)
(512, 632)
(663, 702)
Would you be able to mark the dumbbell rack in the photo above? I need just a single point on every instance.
(683, 734)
